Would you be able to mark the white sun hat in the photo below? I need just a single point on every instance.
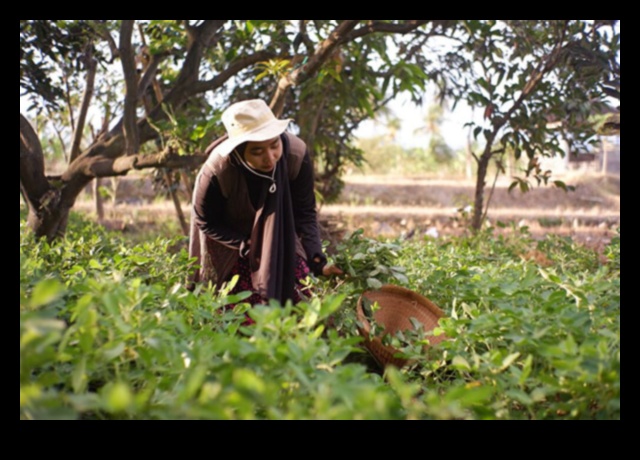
(249, 121)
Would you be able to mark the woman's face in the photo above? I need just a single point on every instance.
(263, 155)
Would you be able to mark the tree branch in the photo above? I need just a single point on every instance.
(112, 145)
(58, 134)
(324, 50)
(130, 127)
(187, 78)
(303, 36)
(107, 167)
(86, 100)
(150, 71)
(545, 65)
(378, 26)
(67, 99)
(233, 69)
(201, 36)
(98, 26)
(32, 177)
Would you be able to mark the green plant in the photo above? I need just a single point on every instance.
(109, 331)
(369, 262)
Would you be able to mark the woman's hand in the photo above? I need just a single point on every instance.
(331, 270)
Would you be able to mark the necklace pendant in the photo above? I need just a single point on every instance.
(273, 188)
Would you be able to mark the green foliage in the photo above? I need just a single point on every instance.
(369, 262)
(383, 157)
(613, 251)
(542, 342)
(525, 74)
(537, 84)
(108, 331)
(45, 44)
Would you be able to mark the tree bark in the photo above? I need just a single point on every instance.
(188, 185)
(86, 100)
(48, 209)
(302, 73)
(478, 203)
(130, 127)
(99, 199)
(176, 203)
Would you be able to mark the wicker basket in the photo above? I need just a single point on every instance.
(397, 305)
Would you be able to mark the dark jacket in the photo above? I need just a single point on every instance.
(223, 215)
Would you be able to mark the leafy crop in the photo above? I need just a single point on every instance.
(108, 330)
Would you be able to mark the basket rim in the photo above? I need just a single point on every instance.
(402, 291)
(384, 353)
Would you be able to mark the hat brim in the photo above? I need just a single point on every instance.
(264, 133)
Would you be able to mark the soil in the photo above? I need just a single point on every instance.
(385, 206)
(409, 207)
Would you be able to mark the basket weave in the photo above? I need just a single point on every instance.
(397, 305)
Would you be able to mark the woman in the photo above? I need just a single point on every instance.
(254, 208)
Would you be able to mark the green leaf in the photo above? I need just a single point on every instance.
(519, 396)
(247, 380)
(560, 184)
(401, 277)
(417, 325)
(485, 84)
(508, 360)
(195, 378)
(37, 328)
(45, 292)
(112, 350)
(470, 395)
(460, 363)
(374, 283)
(75, 269)
(117, 397)
(78, 375)
(549, 276)
(93, 263)
(526, 369)
(331, 304)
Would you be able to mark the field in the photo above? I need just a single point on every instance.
(109, 330)
(385, 206)
(401, 206)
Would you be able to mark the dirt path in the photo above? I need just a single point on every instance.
(400, 206)
(388, 206)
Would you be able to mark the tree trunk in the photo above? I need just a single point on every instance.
(48, 206)
(186, 180)
(84, 108)
(478, 203)
(176, 203)
(99, 200)
(50, 200)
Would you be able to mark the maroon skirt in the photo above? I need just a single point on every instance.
(241, 268)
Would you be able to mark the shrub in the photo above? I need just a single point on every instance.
(108, 330)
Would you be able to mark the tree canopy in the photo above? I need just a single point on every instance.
(124, 95)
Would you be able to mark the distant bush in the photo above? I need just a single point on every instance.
(383, 157)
